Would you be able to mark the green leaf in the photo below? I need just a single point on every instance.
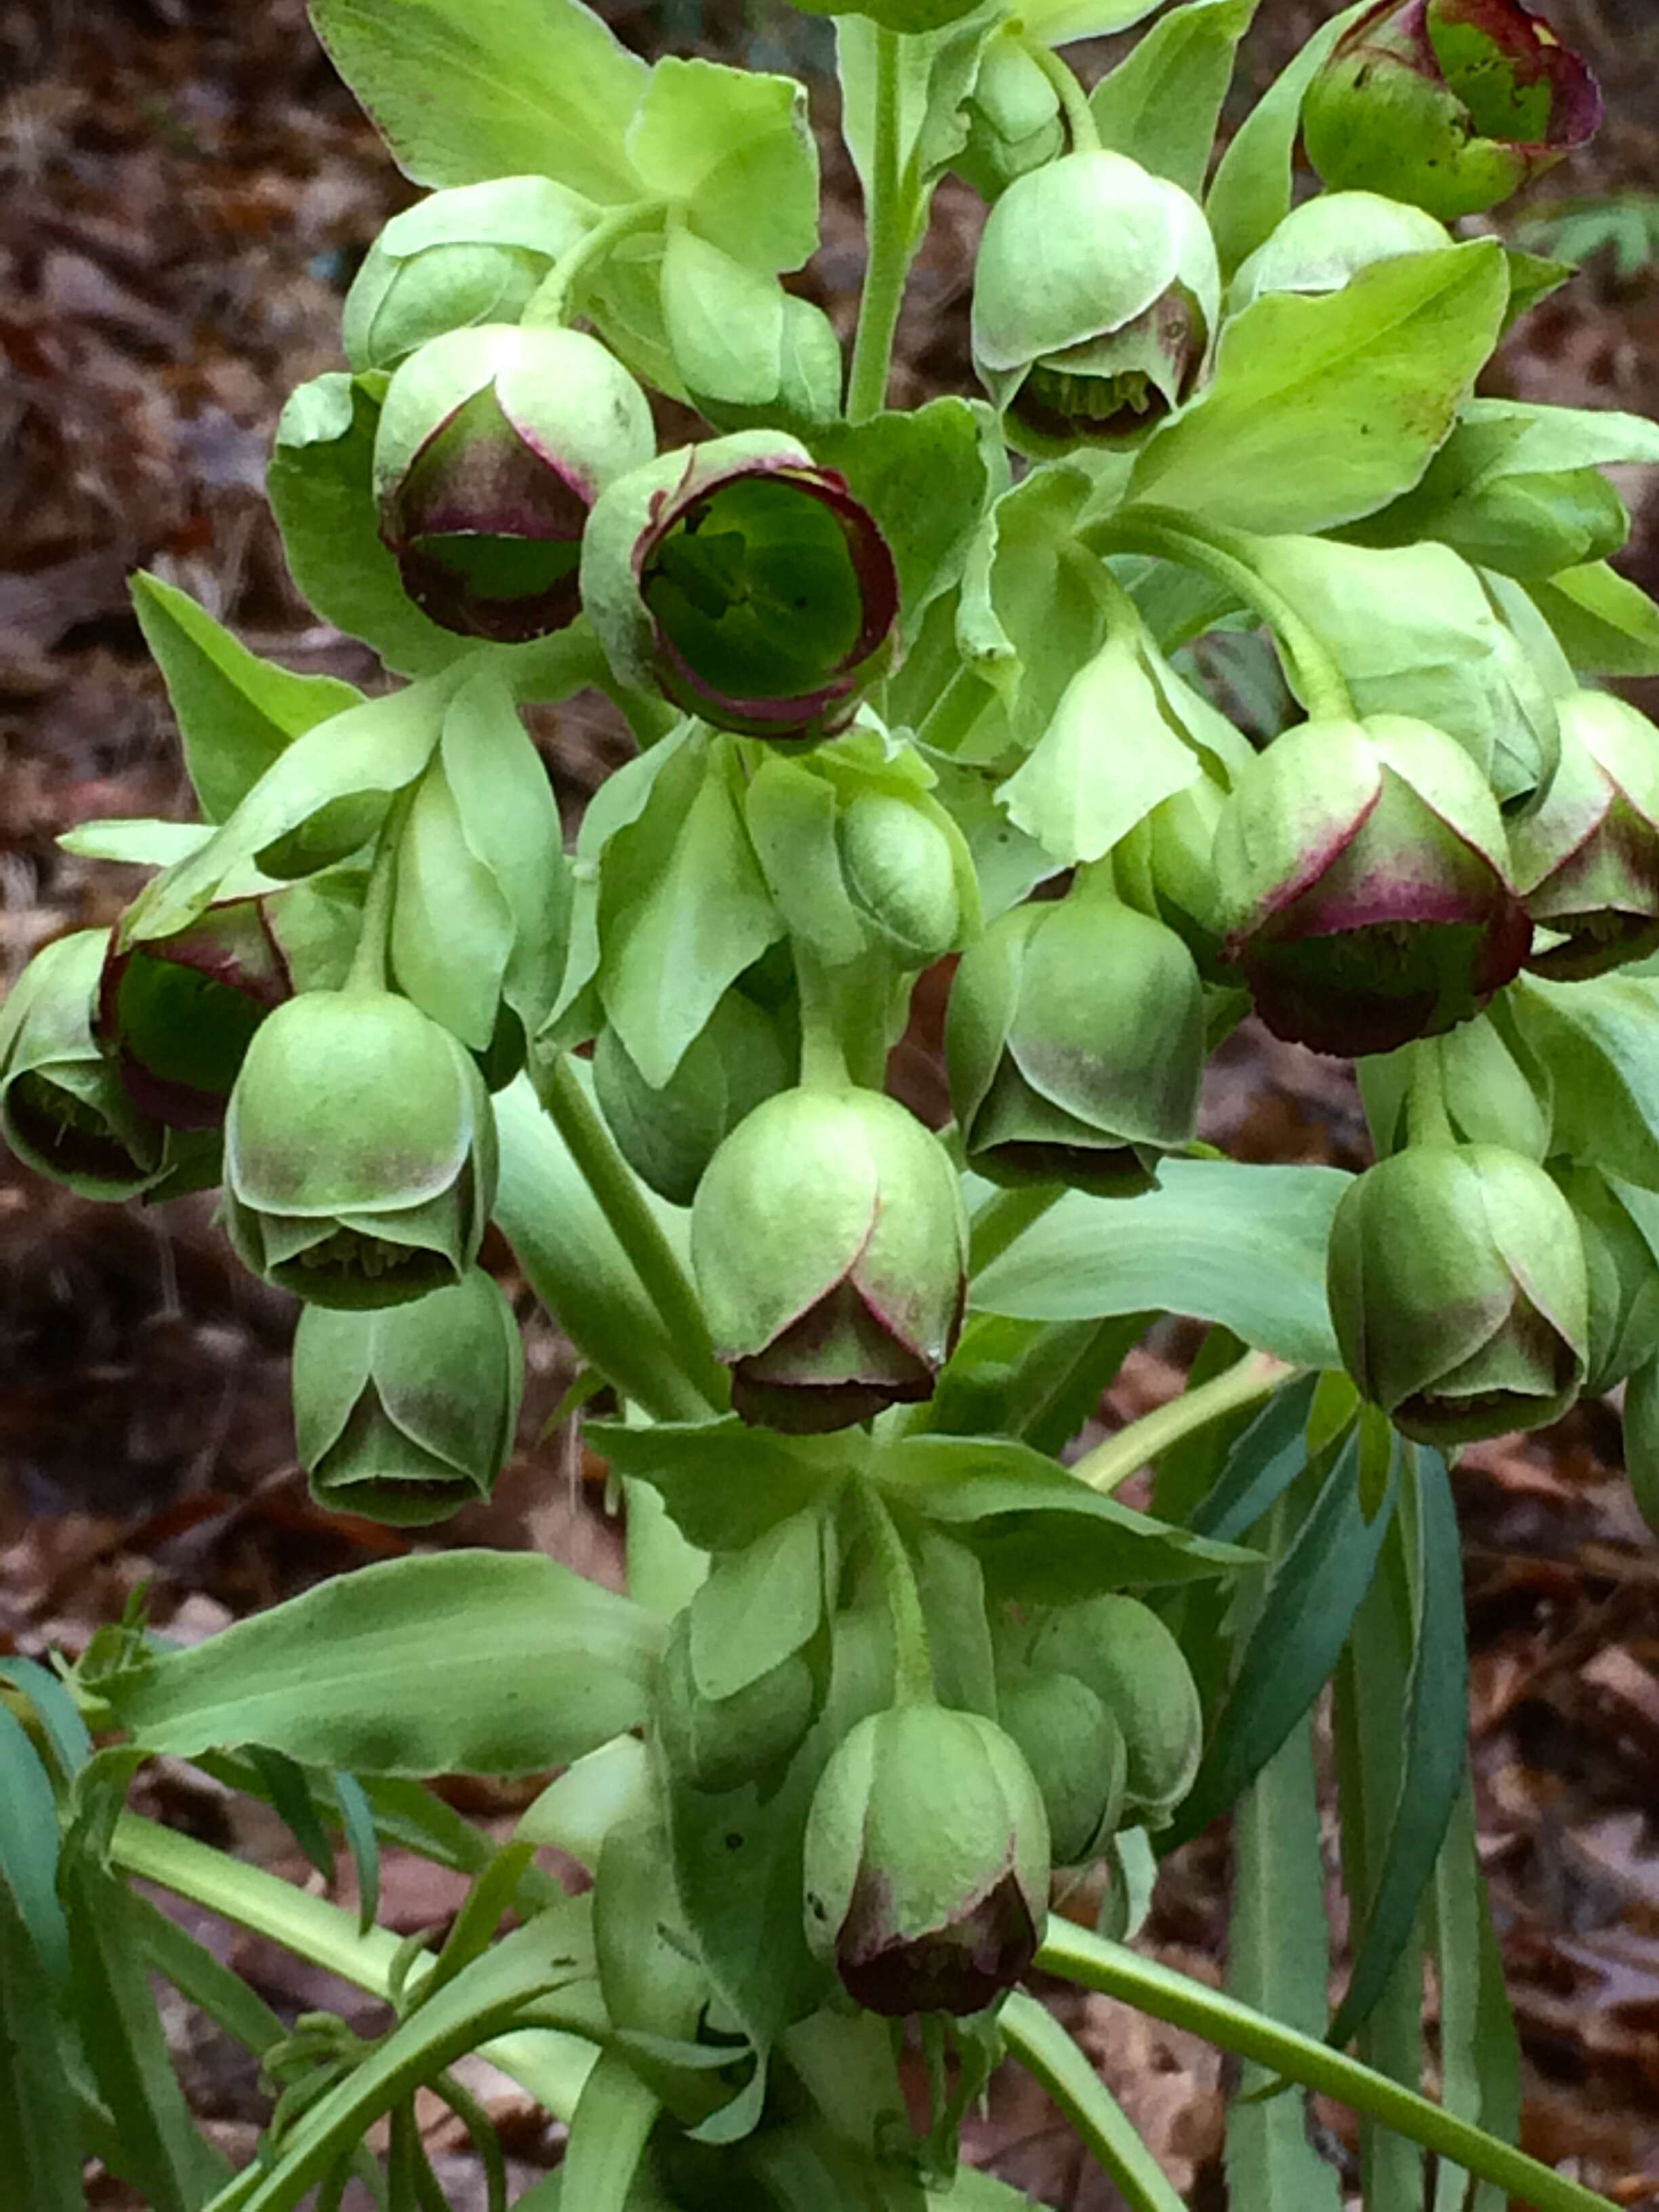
(158, 2148)
(28, 1844)
(1038, 1531)
(613, 2120)
(735, 150)
(139, 842)
(1323, 409)
(1606, 625)
(1252, 192)
(684, 908)
(758, 1606)
(1434, 1732)
(1306, 1614)
(1244, 1246)
(926, 476)
(40, 2134)
(727, 1485)
(1029, 614)
(490, 1662)
(1480, 2049)
(59, 1715)
(358, 1823)
(203, 1980)
(464, 91)
(1048, 2054)
(235, 712)
(1277, 1961)
(289, 1789)
(936, 73)
(1161, 105)
(320, 484)
(1261, 1467)
(1596, 1040)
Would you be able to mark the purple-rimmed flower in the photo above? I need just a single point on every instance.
(178, 1013)
(1451, 105)
(744, 582)
(1364, 880)
(493, 444)
(830, 1250)
(1587, 862)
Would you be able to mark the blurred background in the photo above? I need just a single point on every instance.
(185, 191)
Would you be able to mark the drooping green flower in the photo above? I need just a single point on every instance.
(927, 1862)
(65, 1110)
(1075, 1750)
(408, 1414)
(1124, 1653)
(719, 1744)
(1622, 1272)
(360, 1151)
(1457, 1286)
(1587, 860)
(1449, 105)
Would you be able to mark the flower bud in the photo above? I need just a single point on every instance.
(927, 1862)
(900, 871)
(1457, 1286)
(1123, 1652)
(178, 1012)
(1323, 243)
(360, 1151)
(1013, 118)
(64, 1109)
(669, 1136)
(745, 583)
(1623, 1275)
(1094, 296)
(409, 1413)
(1075, 1750)
(493, 444)
(471, 255)
(1449, 105)
(1363, 877)
(1587, 860)
(718, 1744)
(1075, 1045)
(830, 1249)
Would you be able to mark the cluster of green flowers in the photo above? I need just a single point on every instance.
(316, 1001)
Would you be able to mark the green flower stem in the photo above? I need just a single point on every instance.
(1257, 1374)
(554, 301)
(1003, 1219)
(1043, 2048)
(550, 2064)
(1076, 1954)
(1226, 556)
(1074, 102)
(637, 1227)
(367, 971)
(823, 1052)
(1429, 1123)
(889, 225)
(913, 1665)
(958, 706)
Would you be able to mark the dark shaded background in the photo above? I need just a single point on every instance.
(185, 191)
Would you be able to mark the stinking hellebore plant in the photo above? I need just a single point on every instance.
(896, 1676)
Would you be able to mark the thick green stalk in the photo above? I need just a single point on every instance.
(913, 1665)
(888, 227)
(1077, 1955)
(554, 300)
(1258, 1375)
(552, 2066)
(637, 1227)
(1080, 125)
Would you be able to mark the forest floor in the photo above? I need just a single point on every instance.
(185, 191)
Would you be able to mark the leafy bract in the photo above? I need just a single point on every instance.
(1160, 106)
(1606, 625)
(736, 150)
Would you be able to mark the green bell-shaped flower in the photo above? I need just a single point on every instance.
(719, 1744)
(360, 1151)
(1327, 241)
(65, 1110)
(830, 1249)
(1587, 860)
(1622, 1272)
(669, 1136)
(1075, 1045)
(926, 1864)
(746, 584)
(493, 444)
(1075, 1750)
(407, 1414)
(1123, 1652)
(1362, 876)
(473, 254)
(1457, 1284)
(1096, 295)
(1449, 105)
